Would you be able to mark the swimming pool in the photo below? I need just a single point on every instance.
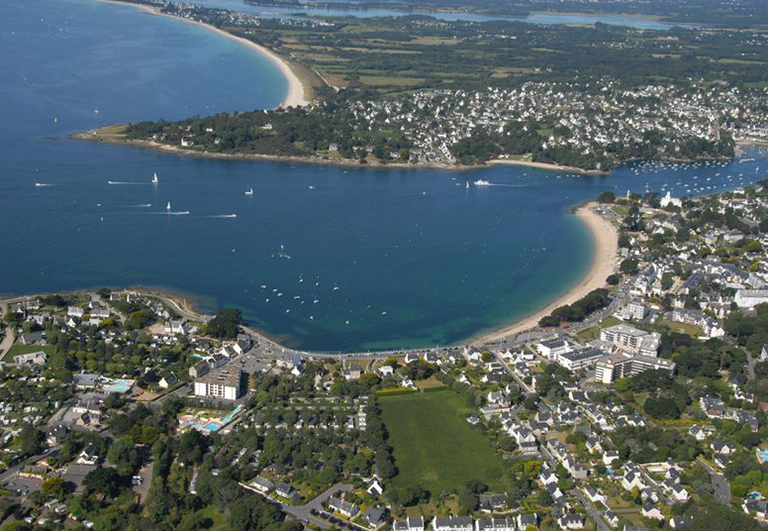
(117, 386)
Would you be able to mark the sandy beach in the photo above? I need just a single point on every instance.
(604, 263)
(296, 95)
(547, 166)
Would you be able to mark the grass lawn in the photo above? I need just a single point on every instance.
(18, 348)
(435, 448)
(684, 328)
(218, 520)
(429, 383)
(594, 333)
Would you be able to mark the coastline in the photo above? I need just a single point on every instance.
(100, 135)
(604, 263)
(297, 92)
(547, 166)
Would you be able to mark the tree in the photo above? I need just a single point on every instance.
(104, 481)
(54, 487)
(139, 319)
(225, 324)
(30, 440)
(607, 197)
(468, 500)
(250, 513)
(192, 447)
(16, 525)
(124, 456)
(629, 266)
(661, 408)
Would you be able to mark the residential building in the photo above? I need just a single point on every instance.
(226, 382)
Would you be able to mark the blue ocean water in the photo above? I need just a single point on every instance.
(378, 257)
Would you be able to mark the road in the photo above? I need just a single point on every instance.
(304, 512)
(7, 342)
(720, 486)
(11, 472)
(514, 375)
(594, 513)
(750, 366)
(146, 474)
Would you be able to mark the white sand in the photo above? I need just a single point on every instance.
(546, 166)
(296, 93)
(604, 263)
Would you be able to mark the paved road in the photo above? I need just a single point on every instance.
(594, 513)
(146, 474)
(7, 342)
(751, 362)
(524, 386)
(303, 512)
(720, 486)
(11, 472)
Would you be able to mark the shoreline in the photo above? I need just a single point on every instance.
(296, 95)
(547, 166)
(604, 263)
(95, 135)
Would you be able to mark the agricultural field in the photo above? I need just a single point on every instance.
(434, 447)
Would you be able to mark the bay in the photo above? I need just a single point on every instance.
(393, 257)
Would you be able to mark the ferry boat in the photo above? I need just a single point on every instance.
(481, 182)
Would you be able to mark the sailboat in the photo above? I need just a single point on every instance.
(155, 180)
(467, 186)
(168, 206)
(249, 191)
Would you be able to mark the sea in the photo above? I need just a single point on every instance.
(320, 257)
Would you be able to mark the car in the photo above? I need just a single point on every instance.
(137, 480)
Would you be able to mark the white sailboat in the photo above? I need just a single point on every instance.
(249, 191)
(155, 180)
(467, 186)
(168, 206)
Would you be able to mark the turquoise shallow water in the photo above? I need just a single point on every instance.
(416, 258)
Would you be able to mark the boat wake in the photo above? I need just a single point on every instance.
(142, 206)
(124, 183)
(220, 216)
(43, 185)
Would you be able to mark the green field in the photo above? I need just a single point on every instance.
(434, 446)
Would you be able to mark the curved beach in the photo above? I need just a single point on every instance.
(296, 95)
(604, 263)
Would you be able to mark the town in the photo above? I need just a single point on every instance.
(641, 408)
(593, 131)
